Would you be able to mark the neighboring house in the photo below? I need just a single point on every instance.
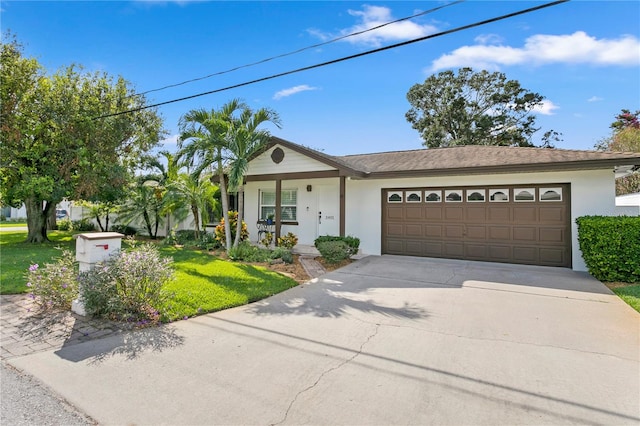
(500, 204)
(628, 204)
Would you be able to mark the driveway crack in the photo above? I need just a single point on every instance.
(325, 372)
(508, 341)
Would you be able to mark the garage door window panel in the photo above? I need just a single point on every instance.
(550, 194)
(433, 196)
(476, 195)
(394, 197)
(414, 196)
(453, 196)
(524, 195)
(499, 195)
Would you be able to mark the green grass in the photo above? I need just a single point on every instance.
(630, 294)
(204, 283)
(12, 224)
(16, 256)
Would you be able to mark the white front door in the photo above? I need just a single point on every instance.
(328, 212)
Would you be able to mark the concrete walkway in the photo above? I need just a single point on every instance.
(385, 340)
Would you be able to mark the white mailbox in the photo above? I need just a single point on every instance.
(92, 248)
(95, 247)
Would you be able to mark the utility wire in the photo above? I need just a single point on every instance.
(345, 58)
(406, 18)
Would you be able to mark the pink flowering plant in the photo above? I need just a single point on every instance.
(54, 285)
(128, 287)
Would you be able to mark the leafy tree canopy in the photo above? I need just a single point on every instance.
(625, 136)
(474, 108)
(53, 147)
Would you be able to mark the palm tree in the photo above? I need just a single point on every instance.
(204, 137)
(190, 193)
(145, 202)
(246, 140)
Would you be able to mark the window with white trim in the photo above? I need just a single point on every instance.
(288, 205)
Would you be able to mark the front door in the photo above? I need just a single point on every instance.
(327, 215)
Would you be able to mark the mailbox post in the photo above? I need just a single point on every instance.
(92, 248)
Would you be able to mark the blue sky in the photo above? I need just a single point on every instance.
(583, 56)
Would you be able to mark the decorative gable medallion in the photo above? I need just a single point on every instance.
(277, 155)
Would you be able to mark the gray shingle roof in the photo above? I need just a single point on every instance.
(467, 159)
(474, 156)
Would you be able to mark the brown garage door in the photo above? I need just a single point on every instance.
(527, 224)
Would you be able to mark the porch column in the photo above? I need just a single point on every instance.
(342, 204)
(278, 208)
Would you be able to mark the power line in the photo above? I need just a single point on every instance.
(345, 58)
(406, 18)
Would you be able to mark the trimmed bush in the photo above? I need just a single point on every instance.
(352, 242)
(610, 247)
(334, 251)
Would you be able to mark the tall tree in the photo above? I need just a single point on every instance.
(204, 138)
(53, 147)
(245, 141)
(473, 108)
(625, 136)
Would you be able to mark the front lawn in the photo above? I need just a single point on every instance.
(13, 224)
(16, 256)
(630, 293)
(203, 283)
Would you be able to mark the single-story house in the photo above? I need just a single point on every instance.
(487, 203)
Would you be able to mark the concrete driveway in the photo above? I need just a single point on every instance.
(386, 340)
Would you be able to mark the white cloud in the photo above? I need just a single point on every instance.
(292, 91)
(373, 16)
(595, 99)
(546, 108)
(488, 39)
(576, 48)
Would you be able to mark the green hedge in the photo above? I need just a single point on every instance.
(610, 247)
(352, 242)
(334, 251)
